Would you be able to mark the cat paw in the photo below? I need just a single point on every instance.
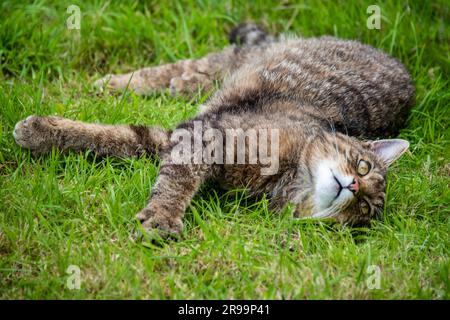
(109, 81)
(189, 84)
(159, 226)
(33, 133)
(177, 86)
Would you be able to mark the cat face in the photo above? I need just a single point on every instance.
(350, 180)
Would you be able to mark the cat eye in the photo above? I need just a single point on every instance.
(363, 167)
(364, 207)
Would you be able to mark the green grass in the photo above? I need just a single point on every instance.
(61, 210)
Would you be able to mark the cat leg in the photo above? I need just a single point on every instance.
(40, 134)
(174, 189)
(183, 77)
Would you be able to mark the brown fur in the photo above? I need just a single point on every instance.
(320, 93)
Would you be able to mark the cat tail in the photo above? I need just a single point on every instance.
(249, 34)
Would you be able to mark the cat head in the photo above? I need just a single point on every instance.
(349, 181)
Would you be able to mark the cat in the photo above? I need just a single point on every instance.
(326, 99)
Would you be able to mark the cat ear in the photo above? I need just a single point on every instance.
(389, 150)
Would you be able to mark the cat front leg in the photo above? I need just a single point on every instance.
(40, 134)
(174, 189)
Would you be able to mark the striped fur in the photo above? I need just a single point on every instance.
(324, 96)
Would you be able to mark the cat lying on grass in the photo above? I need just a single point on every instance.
(312, 102)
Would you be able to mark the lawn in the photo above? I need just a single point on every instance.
(60, 214)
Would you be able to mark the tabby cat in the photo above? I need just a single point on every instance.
(324, 96)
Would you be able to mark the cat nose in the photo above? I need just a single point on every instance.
(354, 186)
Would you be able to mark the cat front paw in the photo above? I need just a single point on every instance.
(34, 133)
(158, 225)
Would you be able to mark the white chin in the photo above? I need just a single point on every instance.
(327, 201)
(335, 206)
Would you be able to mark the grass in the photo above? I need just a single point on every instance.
(62, 210)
